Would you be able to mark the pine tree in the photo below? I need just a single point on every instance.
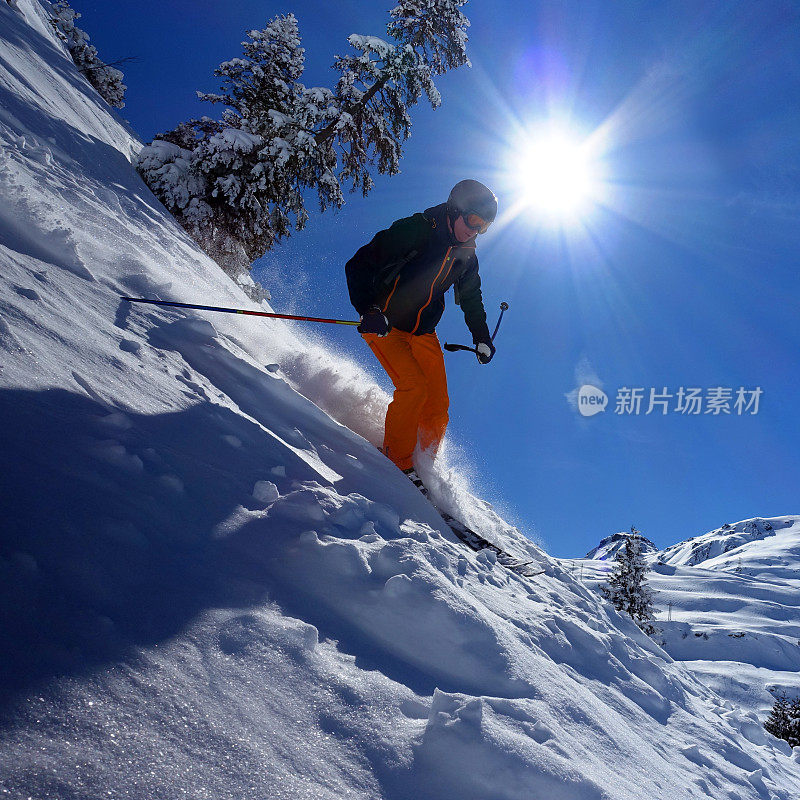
(784, 719)
(107, 80)
(627, 587)
(239, 184)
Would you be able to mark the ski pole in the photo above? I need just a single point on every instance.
(451, 348)
(240, 311)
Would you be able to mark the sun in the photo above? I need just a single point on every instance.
(558, 175)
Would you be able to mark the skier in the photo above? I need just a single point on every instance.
(397, 284)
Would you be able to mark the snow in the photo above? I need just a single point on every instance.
(378, 46)
(729, 605)
(266, 492)
(212, 585)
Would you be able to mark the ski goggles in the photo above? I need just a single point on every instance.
(475, 222)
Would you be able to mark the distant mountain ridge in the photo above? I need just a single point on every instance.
(733, 544)
(756, 543)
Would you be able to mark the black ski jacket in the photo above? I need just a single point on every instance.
(407, 269)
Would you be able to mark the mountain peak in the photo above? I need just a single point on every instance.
(611, 545)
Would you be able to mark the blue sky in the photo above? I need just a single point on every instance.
(686, 275)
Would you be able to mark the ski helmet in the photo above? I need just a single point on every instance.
(472, 197)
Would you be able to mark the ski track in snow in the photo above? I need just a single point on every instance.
(209, 587)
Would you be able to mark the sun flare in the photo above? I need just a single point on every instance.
(558, 176)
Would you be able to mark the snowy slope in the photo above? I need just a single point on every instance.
(729, 605)
(210, 588)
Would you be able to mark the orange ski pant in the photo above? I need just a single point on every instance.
(418, 411)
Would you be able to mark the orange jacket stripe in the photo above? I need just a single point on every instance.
(386, 304)
(430, 296)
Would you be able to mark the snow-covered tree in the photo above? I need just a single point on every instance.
(784, 719)
(107, 80)
(627, 586)
(239, 184)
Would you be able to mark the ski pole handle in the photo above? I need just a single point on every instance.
(503, 309)
(451, 348)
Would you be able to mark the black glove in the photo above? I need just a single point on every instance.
(373, 321)
(485, 351)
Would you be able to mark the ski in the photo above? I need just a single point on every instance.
(476, 542)
(472, 538)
